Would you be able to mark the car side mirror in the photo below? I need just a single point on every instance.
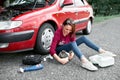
(67, 2)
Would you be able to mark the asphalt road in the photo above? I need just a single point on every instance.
(106, 34)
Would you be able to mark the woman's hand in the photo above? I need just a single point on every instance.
(61, 60)
(64, 60)
(71, 55)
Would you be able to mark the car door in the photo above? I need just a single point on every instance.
(70, 11)
(66, 11)
(83, 14)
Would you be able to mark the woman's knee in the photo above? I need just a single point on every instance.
(84, 37)
(73, 43)
(80, 40)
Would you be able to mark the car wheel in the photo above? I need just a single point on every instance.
(88, 28)
(44, 39)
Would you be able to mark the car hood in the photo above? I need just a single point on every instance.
(14, 10)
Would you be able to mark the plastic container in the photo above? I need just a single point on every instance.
(102, 61)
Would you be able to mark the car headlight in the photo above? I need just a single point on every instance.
(4, 25)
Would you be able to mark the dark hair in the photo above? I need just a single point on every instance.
(69, 21)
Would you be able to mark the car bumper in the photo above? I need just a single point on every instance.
(16, 36)
(6, 38)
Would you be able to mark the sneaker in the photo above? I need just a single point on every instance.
(89, 66)
(108, 53)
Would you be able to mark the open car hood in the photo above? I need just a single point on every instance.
(14, 10)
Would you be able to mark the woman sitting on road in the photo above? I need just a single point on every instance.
(64, 39)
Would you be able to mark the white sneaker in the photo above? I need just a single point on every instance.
(88, 65)
(108, 53)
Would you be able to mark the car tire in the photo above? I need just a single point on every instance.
(88, 28)
(44, 39)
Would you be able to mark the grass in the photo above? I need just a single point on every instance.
(98, 19)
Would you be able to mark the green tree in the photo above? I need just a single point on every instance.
(105, 7)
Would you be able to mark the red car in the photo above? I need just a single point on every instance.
(30, 24)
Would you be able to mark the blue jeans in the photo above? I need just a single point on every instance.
(74, 46)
